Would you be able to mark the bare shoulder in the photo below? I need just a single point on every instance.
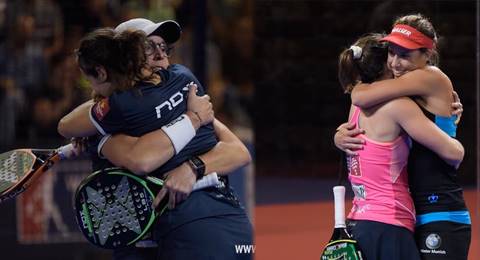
(401, 101)
(437, 75)
(400, 106)
(437, 72)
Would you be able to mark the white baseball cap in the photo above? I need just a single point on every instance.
(169, 30)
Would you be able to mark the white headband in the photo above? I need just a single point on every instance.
(357, 51)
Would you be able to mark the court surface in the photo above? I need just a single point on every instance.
(299, 230)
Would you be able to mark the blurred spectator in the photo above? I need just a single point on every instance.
(48, 26)
(23, 57)
(8, 104)
(98, 13)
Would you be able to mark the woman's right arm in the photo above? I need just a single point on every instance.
(144, 154)
(77, 123)
(411, 118)
(420, 82)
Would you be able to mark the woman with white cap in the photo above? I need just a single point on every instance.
(443, 226)
(216, 210)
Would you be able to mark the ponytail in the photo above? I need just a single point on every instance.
(362, 62)
(347, 70)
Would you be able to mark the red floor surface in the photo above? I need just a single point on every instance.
(299, 231)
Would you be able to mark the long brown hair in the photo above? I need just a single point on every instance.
(423, 25)
(367, 68)
(121, 54)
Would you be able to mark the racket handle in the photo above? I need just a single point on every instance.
(339, 200)
(208, 180)
(66, 151)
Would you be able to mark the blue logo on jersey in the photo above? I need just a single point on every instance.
(433, 198)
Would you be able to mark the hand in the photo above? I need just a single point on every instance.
(457, 107)
(178, 184)
(200, 105)
(79, 145)
(344, 138)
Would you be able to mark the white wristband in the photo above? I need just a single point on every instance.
(180, 131)
(100, 145)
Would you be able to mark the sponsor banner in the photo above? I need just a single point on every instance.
(45, 210)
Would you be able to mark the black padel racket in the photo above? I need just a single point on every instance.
(341, 245)
(113, 206)
(21, 167)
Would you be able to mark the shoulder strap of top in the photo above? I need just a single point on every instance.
(356, 114)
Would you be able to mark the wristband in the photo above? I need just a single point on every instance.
(101, 144)
(447, 124)
(180, 131)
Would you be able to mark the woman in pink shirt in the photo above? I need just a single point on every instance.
(382, 217)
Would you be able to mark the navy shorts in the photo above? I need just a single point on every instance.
(212, 238)
(380, 241)
(443, 240)
(135, 253)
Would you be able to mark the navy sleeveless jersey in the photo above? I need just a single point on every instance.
(148, 107)
(433, 182)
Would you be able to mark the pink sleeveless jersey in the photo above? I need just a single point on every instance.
(379, 179)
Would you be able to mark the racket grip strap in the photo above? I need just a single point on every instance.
(66, 151)
(209, 180)
(339, 204)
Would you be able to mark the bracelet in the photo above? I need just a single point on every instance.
(198, 166)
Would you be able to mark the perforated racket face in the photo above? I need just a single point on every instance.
(342, 250)
(113, 208)
(14, 165)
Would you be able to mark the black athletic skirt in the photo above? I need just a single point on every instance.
(442, 240)
(380, 241)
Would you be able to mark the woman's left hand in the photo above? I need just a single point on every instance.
(457, 107)
(179, 184)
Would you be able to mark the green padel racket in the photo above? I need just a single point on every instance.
(113, 207)
(341, 245)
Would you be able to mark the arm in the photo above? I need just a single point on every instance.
(415, 83)
(142, 155)
(407, 113)
(228, 155)
(77, 123)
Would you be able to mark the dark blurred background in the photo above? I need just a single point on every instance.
(270, 67)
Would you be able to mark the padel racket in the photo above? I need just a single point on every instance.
(113, 207)
(21, 167)
(341, 244)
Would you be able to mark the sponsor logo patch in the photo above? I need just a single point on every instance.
(433, 241)
(353, 163)
(402, 31)
(359, 191)
(101, 108)
(433, 198)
